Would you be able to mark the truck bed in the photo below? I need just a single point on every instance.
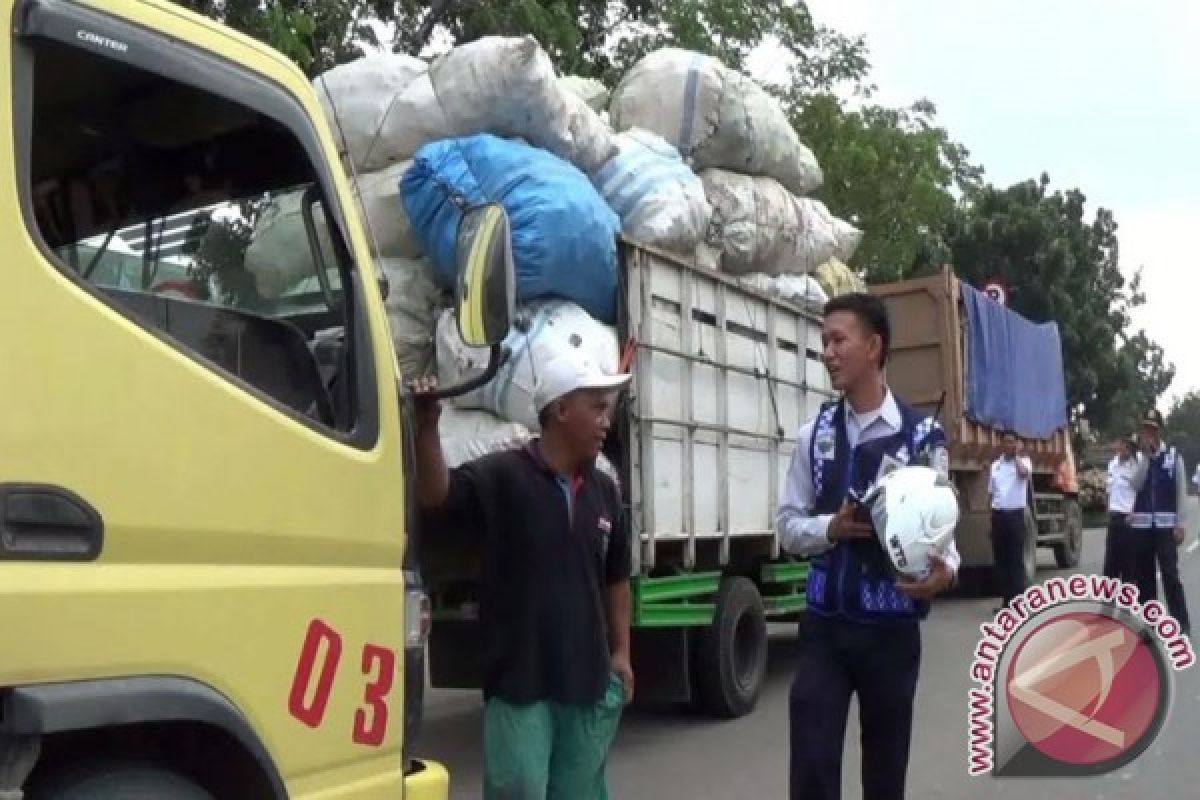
(929, 358)
(724, 377)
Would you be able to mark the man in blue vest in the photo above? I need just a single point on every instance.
(1158, 520)
(861, 634)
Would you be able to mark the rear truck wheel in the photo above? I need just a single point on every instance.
(118, 781)
(1067, 552)
(1029, 555)
(731, 653)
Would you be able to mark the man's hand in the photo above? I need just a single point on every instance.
(846, 524)
(939, 579)
(1180, 534)
(428, 408)
(623, 668)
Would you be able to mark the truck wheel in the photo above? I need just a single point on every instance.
(731, 654)
(1068, 552)
(1030, 554)
(118, 781)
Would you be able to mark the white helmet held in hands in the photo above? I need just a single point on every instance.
(914, 510)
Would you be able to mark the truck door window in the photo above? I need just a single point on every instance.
(202, 219)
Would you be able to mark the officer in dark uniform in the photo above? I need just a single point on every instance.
(861, 634)
(1158, 520)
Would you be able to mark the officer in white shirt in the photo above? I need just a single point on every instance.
(1159, 519)
(1126, 474)
(1009, 488)
(861, 635)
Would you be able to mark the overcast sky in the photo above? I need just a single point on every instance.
(1098, 93)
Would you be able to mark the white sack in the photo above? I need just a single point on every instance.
(847, 236)
(507, 86)
(279, 256)
(592, 91)
(660, 201)
(364, 94)
(760, 226)
(468, 435)
(592, 143)
(716, 116)
(553, 326)
(412, 303)
(379, 196)
(799, 289)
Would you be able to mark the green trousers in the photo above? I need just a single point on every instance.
(549, 751)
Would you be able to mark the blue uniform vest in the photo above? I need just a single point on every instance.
(1155, 506)
(853, 579)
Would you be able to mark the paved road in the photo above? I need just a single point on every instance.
(672, 755)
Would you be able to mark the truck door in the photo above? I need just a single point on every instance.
(199, 448)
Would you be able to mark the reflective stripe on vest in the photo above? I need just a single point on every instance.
(1161, 520)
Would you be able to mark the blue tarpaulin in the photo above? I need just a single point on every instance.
(1014, 369)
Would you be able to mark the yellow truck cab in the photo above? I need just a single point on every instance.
(202, 491)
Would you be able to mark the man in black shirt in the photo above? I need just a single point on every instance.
(554, 589)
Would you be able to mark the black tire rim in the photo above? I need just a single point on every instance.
(747, 652)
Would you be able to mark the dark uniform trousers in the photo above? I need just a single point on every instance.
(1158, 545)
(1008, 552)
(1118, 549)
(877, 661)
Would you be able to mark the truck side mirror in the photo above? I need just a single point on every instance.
(485, 289)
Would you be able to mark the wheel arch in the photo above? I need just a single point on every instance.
(179, 719)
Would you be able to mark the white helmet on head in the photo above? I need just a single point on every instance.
(914, 510)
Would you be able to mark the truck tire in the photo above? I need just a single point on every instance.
(118, 781)
(731, 653)
(1068, 552)
(1029, 555)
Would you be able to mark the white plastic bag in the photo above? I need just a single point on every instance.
(759, 226)
(413, 303)
(552, 327)
(364, 94)
(660, 201)
(716, 116)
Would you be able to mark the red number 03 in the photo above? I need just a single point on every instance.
(370, 722)
(316, 669)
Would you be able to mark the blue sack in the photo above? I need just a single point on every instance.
(564, 234)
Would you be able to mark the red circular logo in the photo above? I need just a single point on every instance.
(1083, 688)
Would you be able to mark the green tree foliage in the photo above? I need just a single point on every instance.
(603, 38)
(316, 34)
(1183, 428)
(1060, 266)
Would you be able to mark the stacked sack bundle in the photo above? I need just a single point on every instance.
(755, 171)
(690, 157)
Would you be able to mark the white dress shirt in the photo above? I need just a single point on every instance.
(1007, 488)
(803, 533)
(1125, 479)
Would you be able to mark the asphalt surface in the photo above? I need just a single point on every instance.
(674, 755)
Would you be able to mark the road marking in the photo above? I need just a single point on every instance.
(1192, 547)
